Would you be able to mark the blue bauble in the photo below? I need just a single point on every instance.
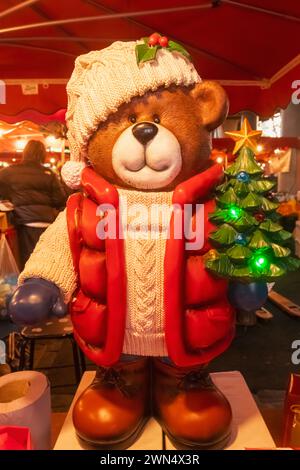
(247, 297)
(243, 177)
(240, 239)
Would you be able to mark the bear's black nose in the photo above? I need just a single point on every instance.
(144, 132)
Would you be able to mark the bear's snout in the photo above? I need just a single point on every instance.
(144, 132)
(147, 156)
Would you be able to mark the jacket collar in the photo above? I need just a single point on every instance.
(199, 186)
(194, 189)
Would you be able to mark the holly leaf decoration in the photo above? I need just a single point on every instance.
(175, 47)
(145, 53)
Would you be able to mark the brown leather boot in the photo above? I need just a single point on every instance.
(113, 410)
(191, 410)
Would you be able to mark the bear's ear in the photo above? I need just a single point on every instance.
(212, 103)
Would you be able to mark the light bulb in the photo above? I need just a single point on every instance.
(50, 140)
(20, 144)
(234, 212)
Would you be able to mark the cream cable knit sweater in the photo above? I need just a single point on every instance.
(144, 256)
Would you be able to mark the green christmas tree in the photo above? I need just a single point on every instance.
(250, 245)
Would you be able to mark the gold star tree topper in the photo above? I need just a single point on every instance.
(245, 137)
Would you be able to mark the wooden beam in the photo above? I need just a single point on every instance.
(18, 7)
(87, 19)
(285, 304)
(247, 6)
(192, 49)
(37, 48)
(62, 29)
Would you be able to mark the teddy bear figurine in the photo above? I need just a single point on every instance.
(144, 308)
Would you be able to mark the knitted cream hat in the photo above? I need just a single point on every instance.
(103, 80)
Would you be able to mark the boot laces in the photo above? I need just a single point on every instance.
(195, 379)
(111, 377)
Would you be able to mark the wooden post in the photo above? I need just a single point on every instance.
(62, 154)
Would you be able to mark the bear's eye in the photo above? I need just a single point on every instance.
(132, 118)
(156, 119)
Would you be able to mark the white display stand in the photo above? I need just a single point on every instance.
(248, 429)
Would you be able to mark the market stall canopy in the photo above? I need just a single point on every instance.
(17, 135)
(250, 46)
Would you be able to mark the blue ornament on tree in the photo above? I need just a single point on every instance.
(247, 297)
(243, 177)
(240, 239)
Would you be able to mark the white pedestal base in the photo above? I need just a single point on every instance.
(248, 429)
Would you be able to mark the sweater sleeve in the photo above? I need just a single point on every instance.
(52, 258)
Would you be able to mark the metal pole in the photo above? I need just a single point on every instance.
(260, 10)
(61, 38)
(37, 48)
(18, 7)
(129, 14)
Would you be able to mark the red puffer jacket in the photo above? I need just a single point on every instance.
(199, 321)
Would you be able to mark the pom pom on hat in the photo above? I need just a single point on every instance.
(71, 173)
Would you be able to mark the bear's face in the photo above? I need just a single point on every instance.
(160, 139)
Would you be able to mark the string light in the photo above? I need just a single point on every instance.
(259, 148)
(243, 177)
(219, 159)
(260, 261)
(52, 160)
(241, 239)
(50, 140)
(234, 212)
(20, 144)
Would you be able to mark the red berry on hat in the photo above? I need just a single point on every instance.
(154, 39)
(163, 41)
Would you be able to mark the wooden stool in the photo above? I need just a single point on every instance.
(52, 328)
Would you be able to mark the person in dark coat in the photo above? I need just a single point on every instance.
(36, 194)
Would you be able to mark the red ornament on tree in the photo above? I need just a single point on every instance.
(260, 216)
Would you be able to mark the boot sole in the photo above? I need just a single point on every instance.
(121, 444)
(219, 444)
